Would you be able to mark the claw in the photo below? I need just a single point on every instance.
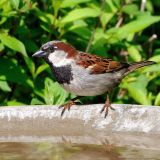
(63, 112)
(106, 107)
(66, 106)
(102, 109)
(106, 113)
(60, 107)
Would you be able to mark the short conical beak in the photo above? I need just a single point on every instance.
(39, 54)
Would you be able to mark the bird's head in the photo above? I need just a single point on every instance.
(55, 49)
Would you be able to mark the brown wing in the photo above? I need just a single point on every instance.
(98, 65)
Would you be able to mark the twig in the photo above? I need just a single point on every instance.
(90, 40)
(152, 38)
(121, 16)
(150, 41)
(94, 30)
(142, 8)
(119, 21)
(149, 44)
(143, 5)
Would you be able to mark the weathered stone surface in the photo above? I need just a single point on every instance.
(128, 124)
(126, 118)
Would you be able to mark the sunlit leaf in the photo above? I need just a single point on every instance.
(53, 93)
(78, 24)
(15, 103)
(152, 68)
(107, 13)
(15, 3)
(130, 9)
(79, 14)
(13, 43)
(155, 58)
(143, 21)
(105, 18)
(40, 69)
(4, 86)
(72, 3)
(134, 53)
(157, 100)
(137, 90)
(82, 32)
(36, 101)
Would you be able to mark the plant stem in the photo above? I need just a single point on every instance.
(94, 30)
(143, 5)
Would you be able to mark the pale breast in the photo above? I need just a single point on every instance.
(86, 84)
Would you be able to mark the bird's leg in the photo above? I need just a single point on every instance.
(106, 106)
(68, 105)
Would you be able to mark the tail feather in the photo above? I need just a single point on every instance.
(137, 65)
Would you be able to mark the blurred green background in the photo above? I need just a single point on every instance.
(125, 30)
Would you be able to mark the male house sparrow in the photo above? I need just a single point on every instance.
(84, 74)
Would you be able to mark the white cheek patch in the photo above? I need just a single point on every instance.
(58, 58)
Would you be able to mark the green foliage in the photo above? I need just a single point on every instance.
(56, 95)
(118, 29)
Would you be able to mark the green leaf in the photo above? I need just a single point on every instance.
(40, 69)
(15, 103)
(155, 58)
(49, 92)
(78, 24)
(105, 18)
(152, 68)
(15, 3)
(46, 17)
(61, 98)
(137, 90)
(53, 93)
(82, 32)
(107, 13)
(134, 53)
(144, 20)
(80, 14)
(4, 86)
(157, 100)
(1, 47)
(36, 101)
(13, 43)
(99, 34)
(111, 6)
(30, 65)
(56, 5)
(72, 3)
(14, 73)
(130, 9)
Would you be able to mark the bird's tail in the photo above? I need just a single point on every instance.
(137, 65)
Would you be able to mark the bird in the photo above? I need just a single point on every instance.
(85, 74)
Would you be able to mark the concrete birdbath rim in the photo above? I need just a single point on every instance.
(132, 125)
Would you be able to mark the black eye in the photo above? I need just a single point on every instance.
(51, 48)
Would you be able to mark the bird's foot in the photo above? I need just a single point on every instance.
(67, 106)
(106, 108)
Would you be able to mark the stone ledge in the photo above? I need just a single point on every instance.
(85, 118)
(129, 125)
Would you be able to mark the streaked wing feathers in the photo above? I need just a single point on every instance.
(98, 65)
